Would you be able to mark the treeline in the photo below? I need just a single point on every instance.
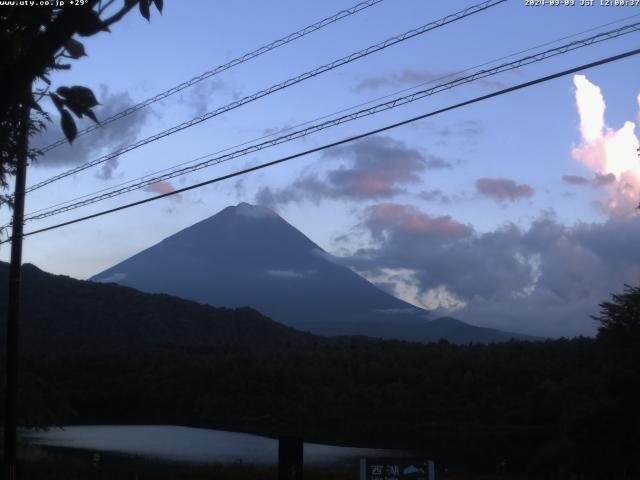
(555, 407)
(562, 407)
(62, 314)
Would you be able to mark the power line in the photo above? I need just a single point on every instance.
(346, 140)
(348, 118)
(329, 115)
(274, 88)
(221, 68)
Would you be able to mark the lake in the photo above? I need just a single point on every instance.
(191, 445)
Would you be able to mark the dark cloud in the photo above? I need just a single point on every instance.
(546, 279)
(435, 196)
(411, 77)
(503, 189)
(376, 167)
(113, 136)
(601, 179)
(385, 217)
(575, 180)
(407, 77)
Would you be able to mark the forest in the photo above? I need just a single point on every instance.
(555, 407)
(117, 356)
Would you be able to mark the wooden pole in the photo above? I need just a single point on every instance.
(13, 303)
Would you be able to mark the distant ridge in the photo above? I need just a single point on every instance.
(62, 314)
(247, 255)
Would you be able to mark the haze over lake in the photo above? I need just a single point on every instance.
(191, 445)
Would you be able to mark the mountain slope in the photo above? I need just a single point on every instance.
(63, 314)
(249, 256)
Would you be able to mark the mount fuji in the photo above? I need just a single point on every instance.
(248, 255)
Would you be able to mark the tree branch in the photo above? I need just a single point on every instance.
(117, 16)
(106, 5)
(37, 58)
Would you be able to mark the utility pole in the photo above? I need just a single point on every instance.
(13, 303)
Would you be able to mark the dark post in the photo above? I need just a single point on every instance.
(13, 310)
(290, 452)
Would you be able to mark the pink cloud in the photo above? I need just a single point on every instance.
(385, 216)
(163, 187)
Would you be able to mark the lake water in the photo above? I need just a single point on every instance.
(191, 445)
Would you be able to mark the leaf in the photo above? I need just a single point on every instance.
(144, 9)
(68, 126)
(92, 116)
(159, 4)
(75, 108)
(80, 96)
(62, 66)
(35, 105)
(57, 101)
(130, 3)
(75, 49)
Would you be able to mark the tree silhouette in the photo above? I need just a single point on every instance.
(620, 319)
(619, 338)
(36, 41)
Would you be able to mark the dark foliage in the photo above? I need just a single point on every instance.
(35, 41)
(620, 319)
(114, 355)
(61, 314)
(543, 406)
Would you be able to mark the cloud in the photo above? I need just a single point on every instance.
(163, 187)
(116, 277)
(407, 77)
(465, 128)
(601, 180)
(108, 168)
(412, 77)
(575, 180)
(290, 273)
(503, 189)
(376, 167)
(392, 216)
(545, 279)
(435, 196)
(591, 108)
(464, 133)
(111, 137)
(610, 154)
(199, 97)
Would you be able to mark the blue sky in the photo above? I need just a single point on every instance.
(466, 212)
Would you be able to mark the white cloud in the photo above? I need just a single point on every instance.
(606, 151)
(116, 277)
(289, 273)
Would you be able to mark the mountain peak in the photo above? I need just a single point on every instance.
(247, 255)
(253, 211)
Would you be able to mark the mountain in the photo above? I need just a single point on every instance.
(247, 255)
(61, 314)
